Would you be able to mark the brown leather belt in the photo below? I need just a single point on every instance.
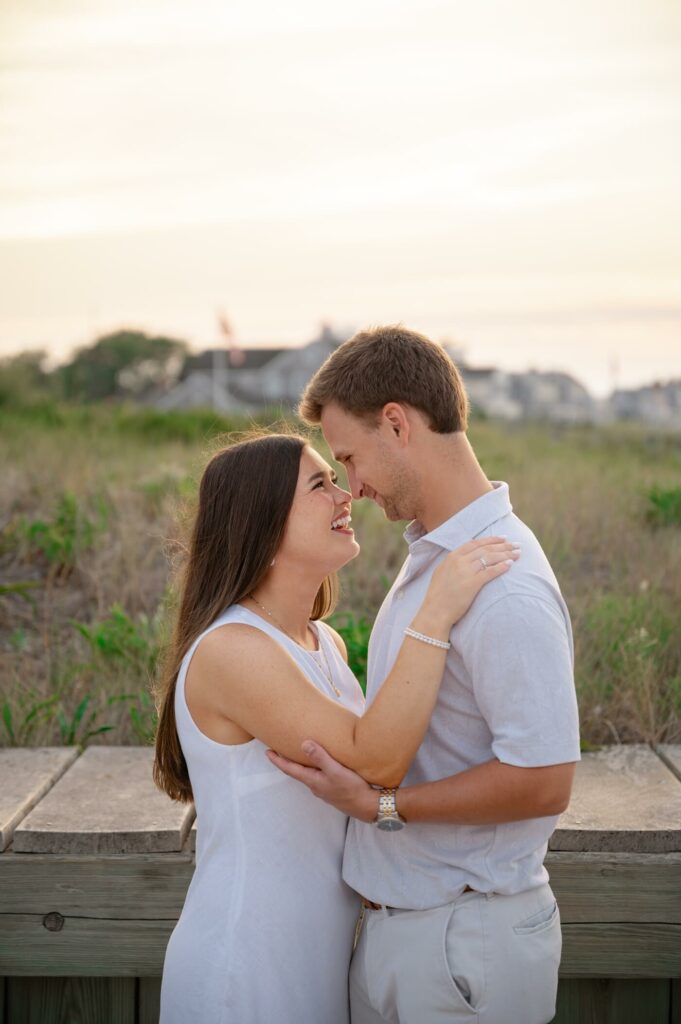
(379, 906)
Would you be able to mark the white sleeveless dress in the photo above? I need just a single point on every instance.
(265, 935)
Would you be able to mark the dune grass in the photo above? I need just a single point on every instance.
(96, 503)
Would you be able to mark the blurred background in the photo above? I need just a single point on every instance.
(503, 175)
(199, 202)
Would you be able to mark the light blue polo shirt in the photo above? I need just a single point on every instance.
(507, 693)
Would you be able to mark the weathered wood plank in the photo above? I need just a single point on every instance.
(602, 887)
(624, 799)
(71, 1000)
(598, 887)
(612, 1001)
(82, 947)
(25, 776)
(149, 1000)
(621, 950)
(106, 803)
(124, 948)
(671, 755)
(128, 886)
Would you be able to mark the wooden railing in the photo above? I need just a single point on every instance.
(95, 864)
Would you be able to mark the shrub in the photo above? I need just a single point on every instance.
(664, 506)
(118, 638)
(355, 632)
(63, 538)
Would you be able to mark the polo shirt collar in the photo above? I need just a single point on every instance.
(465, 524)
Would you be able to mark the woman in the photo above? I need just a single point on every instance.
(266, 930)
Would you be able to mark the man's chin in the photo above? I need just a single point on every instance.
(388, 510)
(391, 514)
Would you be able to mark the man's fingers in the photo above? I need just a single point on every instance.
(291, 768)
(320, 758)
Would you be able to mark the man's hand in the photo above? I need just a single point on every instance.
(331, 781)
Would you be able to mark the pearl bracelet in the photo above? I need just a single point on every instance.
(444, 644)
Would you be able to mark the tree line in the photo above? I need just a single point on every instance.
(116, 366)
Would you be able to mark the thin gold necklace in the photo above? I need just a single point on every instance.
(278, 624)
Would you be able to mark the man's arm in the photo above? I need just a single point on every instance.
(489, 793)
(530, 710)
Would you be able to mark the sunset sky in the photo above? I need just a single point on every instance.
(502, 174)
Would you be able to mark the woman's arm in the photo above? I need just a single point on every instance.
(251, 680)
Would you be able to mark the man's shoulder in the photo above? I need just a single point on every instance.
(529, 588)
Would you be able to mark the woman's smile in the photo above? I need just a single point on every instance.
(342, 525)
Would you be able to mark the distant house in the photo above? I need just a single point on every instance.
(553, 396)
(208, 381)
(532, 395)
(658, 404)
(262, 377)
(283, 378)
(489, 390)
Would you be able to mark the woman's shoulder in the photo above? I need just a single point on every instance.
(233, 631)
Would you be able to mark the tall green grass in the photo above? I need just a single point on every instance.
(97, 502)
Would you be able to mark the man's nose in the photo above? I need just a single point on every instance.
(354, 483)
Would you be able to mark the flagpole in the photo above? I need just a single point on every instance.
(220, 363)
(219, 379)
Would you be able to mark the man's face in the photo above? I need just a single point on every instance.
(375, 466)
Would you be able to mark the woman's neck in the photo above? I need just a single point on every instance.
(288, 604)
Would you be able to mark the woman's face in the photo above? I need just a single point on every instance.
(311, 538)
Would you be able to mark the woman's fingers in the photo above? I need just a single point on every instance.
(480, 542)
(466, 570)
(493, 555)
(490, 573)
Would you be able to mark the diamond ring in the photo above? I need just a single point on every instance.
(483, 563)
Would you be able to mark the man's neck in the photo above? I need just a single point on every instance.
(451, 479)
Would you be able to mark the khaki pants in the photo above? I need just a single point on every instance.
(488, 959)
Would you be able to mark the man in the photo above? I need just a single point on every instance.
(460, 923)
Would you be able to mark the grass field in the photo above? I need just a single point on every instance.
(95, 507)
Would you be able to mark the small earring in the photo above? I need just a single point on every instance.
(273, 561)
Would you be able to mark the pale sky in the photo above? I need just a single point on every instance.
(504, 175)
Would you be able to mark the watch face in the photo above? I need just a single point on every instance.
(390, 824)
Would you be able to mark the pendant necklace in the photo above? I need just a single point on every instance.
(327, 670)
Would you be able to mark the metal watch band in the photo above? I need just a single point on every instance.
(388, 817)
(386, 803)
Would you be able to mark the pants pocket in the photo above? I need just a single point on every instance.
(463, 955)
(525, 940)
(539, 922)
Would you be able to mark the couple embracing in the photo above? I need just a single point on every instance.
(378, 861)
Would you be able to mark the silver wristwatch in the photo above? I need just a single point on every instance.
(388, 818)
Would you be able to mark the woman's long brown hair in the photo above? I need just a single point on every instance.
(245, 497)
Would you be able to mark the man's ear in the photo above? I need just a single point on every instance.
(397, 421)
